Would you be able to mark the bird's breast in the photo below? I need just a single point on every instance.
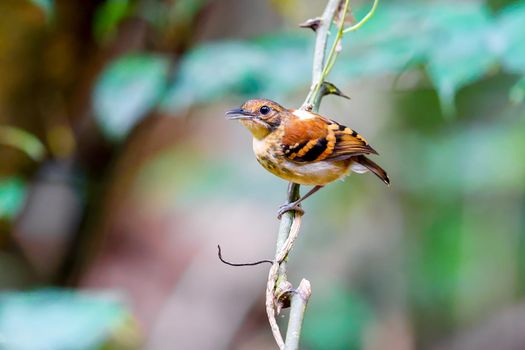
(271, 157)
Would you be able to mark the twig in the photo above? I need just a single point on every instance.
(288, 231)
(295, 322)
(219, 253)
(321, 40)
(364, 20)
(322, 33)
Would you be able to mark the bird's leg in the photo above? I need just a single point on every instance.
(296, 206)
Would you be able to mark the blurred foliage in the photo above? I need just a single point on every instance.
(183, 11)
(60, 319)
(108, 17)
(129, 89)
(338, 321)
(517, 92)
(23, 141)
(458, 184)
(202, 179)
(434, 263)
(460, 189)
(12, 196)
(47, 6)
(458, 44)
(479, 167)
(510, 31)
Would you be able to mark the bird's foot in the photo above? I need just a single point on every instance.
(294, 206)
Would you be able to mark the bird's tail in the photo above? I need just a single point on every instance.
(373, 167)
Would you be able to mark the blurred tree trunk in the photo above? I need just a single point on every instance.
(53, 101)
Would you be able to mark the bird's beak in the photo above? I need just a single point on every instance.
(238, 113)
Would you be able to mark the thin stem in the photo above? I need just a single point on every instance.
(287, 218)
(22, 140)
(322, 39)
(312, 100)
(298, 307)
(289, 228)
(277, 282)
(364, 20)
(270, 305)
(286, 226)
(333, 51)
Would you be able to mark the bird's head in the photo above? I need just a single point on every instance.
(260, 116)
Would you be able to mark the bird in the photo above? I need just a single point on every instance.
(304, 147)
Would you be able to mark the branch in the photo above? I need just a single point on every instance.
(279, 292)
(288, 231)
(278, 289)
(313, 99)
(321, 40)
(295, 322)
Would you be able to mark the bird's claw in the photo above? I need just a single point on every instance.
(290, 207)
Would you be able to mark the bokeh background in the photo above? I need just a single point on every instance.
(119, 176)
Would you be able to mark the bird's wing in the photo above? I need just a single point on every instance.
(317, 138)
(349, 143)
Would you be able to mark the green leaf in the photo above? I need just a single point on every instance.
(234, 69)
(12, 196)
(509, 38)
(385, 45)
(246, 69)
(108, 16)
(23, 141)
(461, 52)
(58, 319)
(293, 54)
(127, 90)
(517, 92)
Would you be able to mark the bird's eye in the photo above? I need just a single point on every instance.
(264, 110)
